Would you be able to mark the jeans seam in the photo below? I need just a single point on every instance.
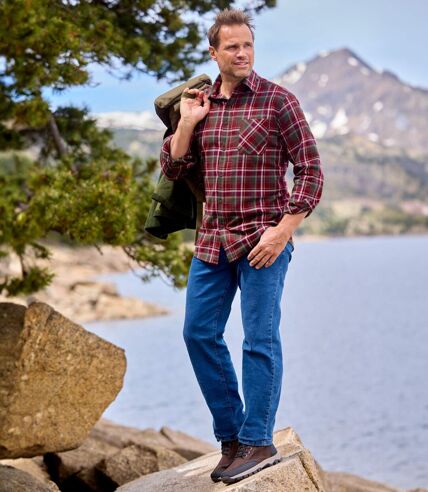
(220, 306)
(272, 357)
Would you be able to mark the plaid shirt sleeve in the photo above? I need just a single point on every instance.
(303, 153)
(176, 168)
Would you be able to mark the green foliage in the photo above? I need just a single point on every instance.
(34, 279)
(100, 203)
(50, 43)
(77, 184)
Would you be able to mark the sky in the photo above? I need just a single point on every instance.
(386, 34)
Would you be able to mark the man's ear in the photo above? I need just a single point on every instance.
(213, 52)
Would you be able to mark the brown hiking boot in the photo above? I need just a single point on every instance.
(228, 451)
(249, 460)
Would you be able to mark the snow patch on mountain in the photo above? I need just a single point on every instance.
(295, 75)
(323, 80)
(318, 128)
(140, 120)
(324, 110)
(339, 122)
(378, 106)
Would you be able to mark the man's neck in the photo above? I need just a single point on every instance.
(228, 86)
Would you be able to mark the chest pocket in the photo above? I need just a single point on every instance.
(253, 135)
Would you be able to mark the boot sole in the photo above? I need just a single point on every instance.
(273, 460)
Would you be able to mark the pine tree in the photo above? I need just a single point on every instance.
(79, 186)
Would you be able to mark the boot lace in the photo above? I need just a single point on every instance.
(243, 451)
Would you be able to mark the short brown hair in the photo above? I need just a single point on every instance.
(229, 17)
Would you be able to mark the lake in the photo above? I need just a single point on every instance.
(355, 343)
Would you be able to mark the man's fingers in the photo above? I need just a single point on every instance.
(258, 252)
(253, 253)
(261, 261)
(270, 261)
(197, 92)
(258, 257)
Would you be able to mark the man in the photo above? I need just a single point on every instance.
(242, 136)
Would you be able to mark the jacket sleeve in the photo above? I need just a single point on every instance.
(176, 168)
(303, 153)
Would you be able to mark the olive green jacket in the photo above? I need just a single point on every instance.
(176, 204)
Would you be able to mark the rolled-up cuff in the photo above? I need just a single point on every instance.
(294, 209)
(166, 147)
(175, 168)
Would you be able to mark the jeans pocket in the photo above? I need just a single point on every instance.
(253, 135)
(288, 249)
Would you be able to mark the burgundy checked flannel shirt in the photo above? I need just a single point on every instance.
(243, 146)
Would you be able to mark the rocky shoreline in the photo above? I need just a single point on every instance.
(76, 292)
(56, 381)
(126, 459)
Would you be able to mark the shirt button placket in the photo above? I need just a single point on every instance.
(220, 202)
(220, 180)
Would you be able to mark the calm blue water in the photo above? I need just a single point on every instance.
(355, 343)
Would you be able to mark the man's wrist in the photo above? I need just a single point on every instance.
(289, 223)
(284, 230)
(186, 126)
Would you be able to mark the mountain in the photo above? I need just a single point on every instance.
(371, 130)
(342, 94)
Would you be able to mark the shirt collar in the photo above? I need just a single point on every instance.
(251, 82)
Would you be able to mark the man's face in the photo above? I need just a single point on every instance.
(235, 52)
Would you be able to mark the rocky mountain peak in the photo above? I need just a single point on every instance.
(341, 94)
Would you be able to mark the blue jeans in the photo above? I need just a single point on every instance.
(210, 292)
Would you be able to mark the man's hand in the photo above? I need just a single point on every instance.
(270, 245)
(273, 240)
(193, 110)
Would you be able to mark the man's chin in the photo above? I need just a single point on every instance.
(243, 72)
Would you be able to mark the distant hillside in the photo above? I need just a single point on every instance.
(371, 130)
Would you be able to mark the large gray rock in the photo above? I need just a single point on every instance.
(33, 466)
(114, 454)
(71, 467)
(135, 461)
(56, 380)
(15, 480)
(122, 436)
(297, 472)
(186, 445)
